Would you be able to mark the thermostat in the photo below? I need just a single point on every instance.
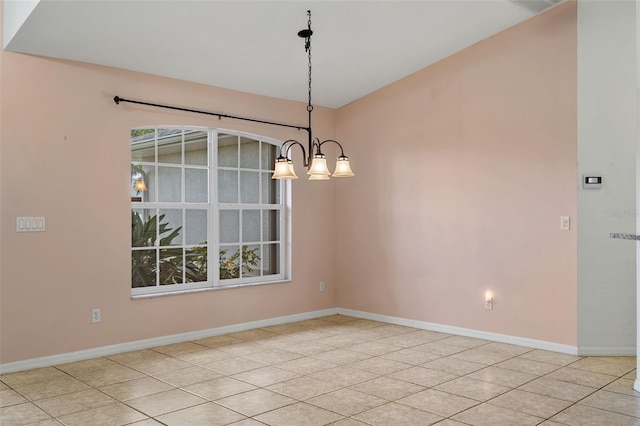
(590, 182)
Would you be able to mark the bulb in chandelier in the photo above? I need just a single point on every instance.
(343, 168)
(319, 166)
(140, 185)
(318, 177)
(284, 169)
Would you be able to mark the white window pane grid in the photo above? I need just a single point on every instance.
(265, 222)
(249, 154)
(196, 148)
(164, 251)
(260, 254)
(180, 173)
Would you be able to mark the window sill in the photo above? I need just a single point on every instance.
(205, 289)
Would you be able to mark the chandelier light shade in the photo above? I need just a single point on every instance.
(319, 166)
(314, 160)
(319, 177)
(140, 185)
(343, 168)
(139, 177)
(284, 169)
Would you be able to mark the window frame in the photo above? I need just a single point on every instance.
(213, 208)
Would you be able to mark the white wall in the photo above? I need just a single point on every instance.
(636, 385)
(607, 140)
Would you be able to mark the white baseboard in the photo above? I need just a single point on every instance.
(48, 361)
(201, 334)
(495, 337)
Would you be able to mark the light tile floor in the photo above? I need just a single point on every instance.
(336, 370)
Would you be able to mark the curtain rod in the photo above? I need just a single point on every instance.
(118, 99)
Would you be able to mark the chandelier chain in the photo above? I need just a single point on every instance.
(307, 47)
(310, 76)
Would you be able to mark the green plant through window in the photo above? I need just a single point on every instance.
(172, 265)
(230, 267)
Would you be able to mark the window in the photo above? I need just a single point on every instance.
(204, 210)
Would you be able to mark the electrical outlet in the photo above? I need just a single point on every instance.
(565, 223)
(95, 315)
(321, 285)
(488, 303)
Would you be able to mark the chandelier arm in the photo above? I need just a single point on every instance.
(333, 141)
(287, 145)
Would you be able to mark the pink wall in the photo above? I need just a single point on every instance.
(463, 171)
(65, 156)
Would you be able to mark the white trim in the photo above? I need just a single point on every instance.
(48, 361)
(502, 338)
(201, 334)
(207, 288)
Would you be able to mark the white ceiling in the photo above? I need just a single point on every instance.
(252, 46)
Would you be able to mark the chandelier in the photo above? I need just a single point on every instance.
(314, 160)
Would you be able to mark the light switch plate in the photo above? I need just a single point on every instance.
(30, 224)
